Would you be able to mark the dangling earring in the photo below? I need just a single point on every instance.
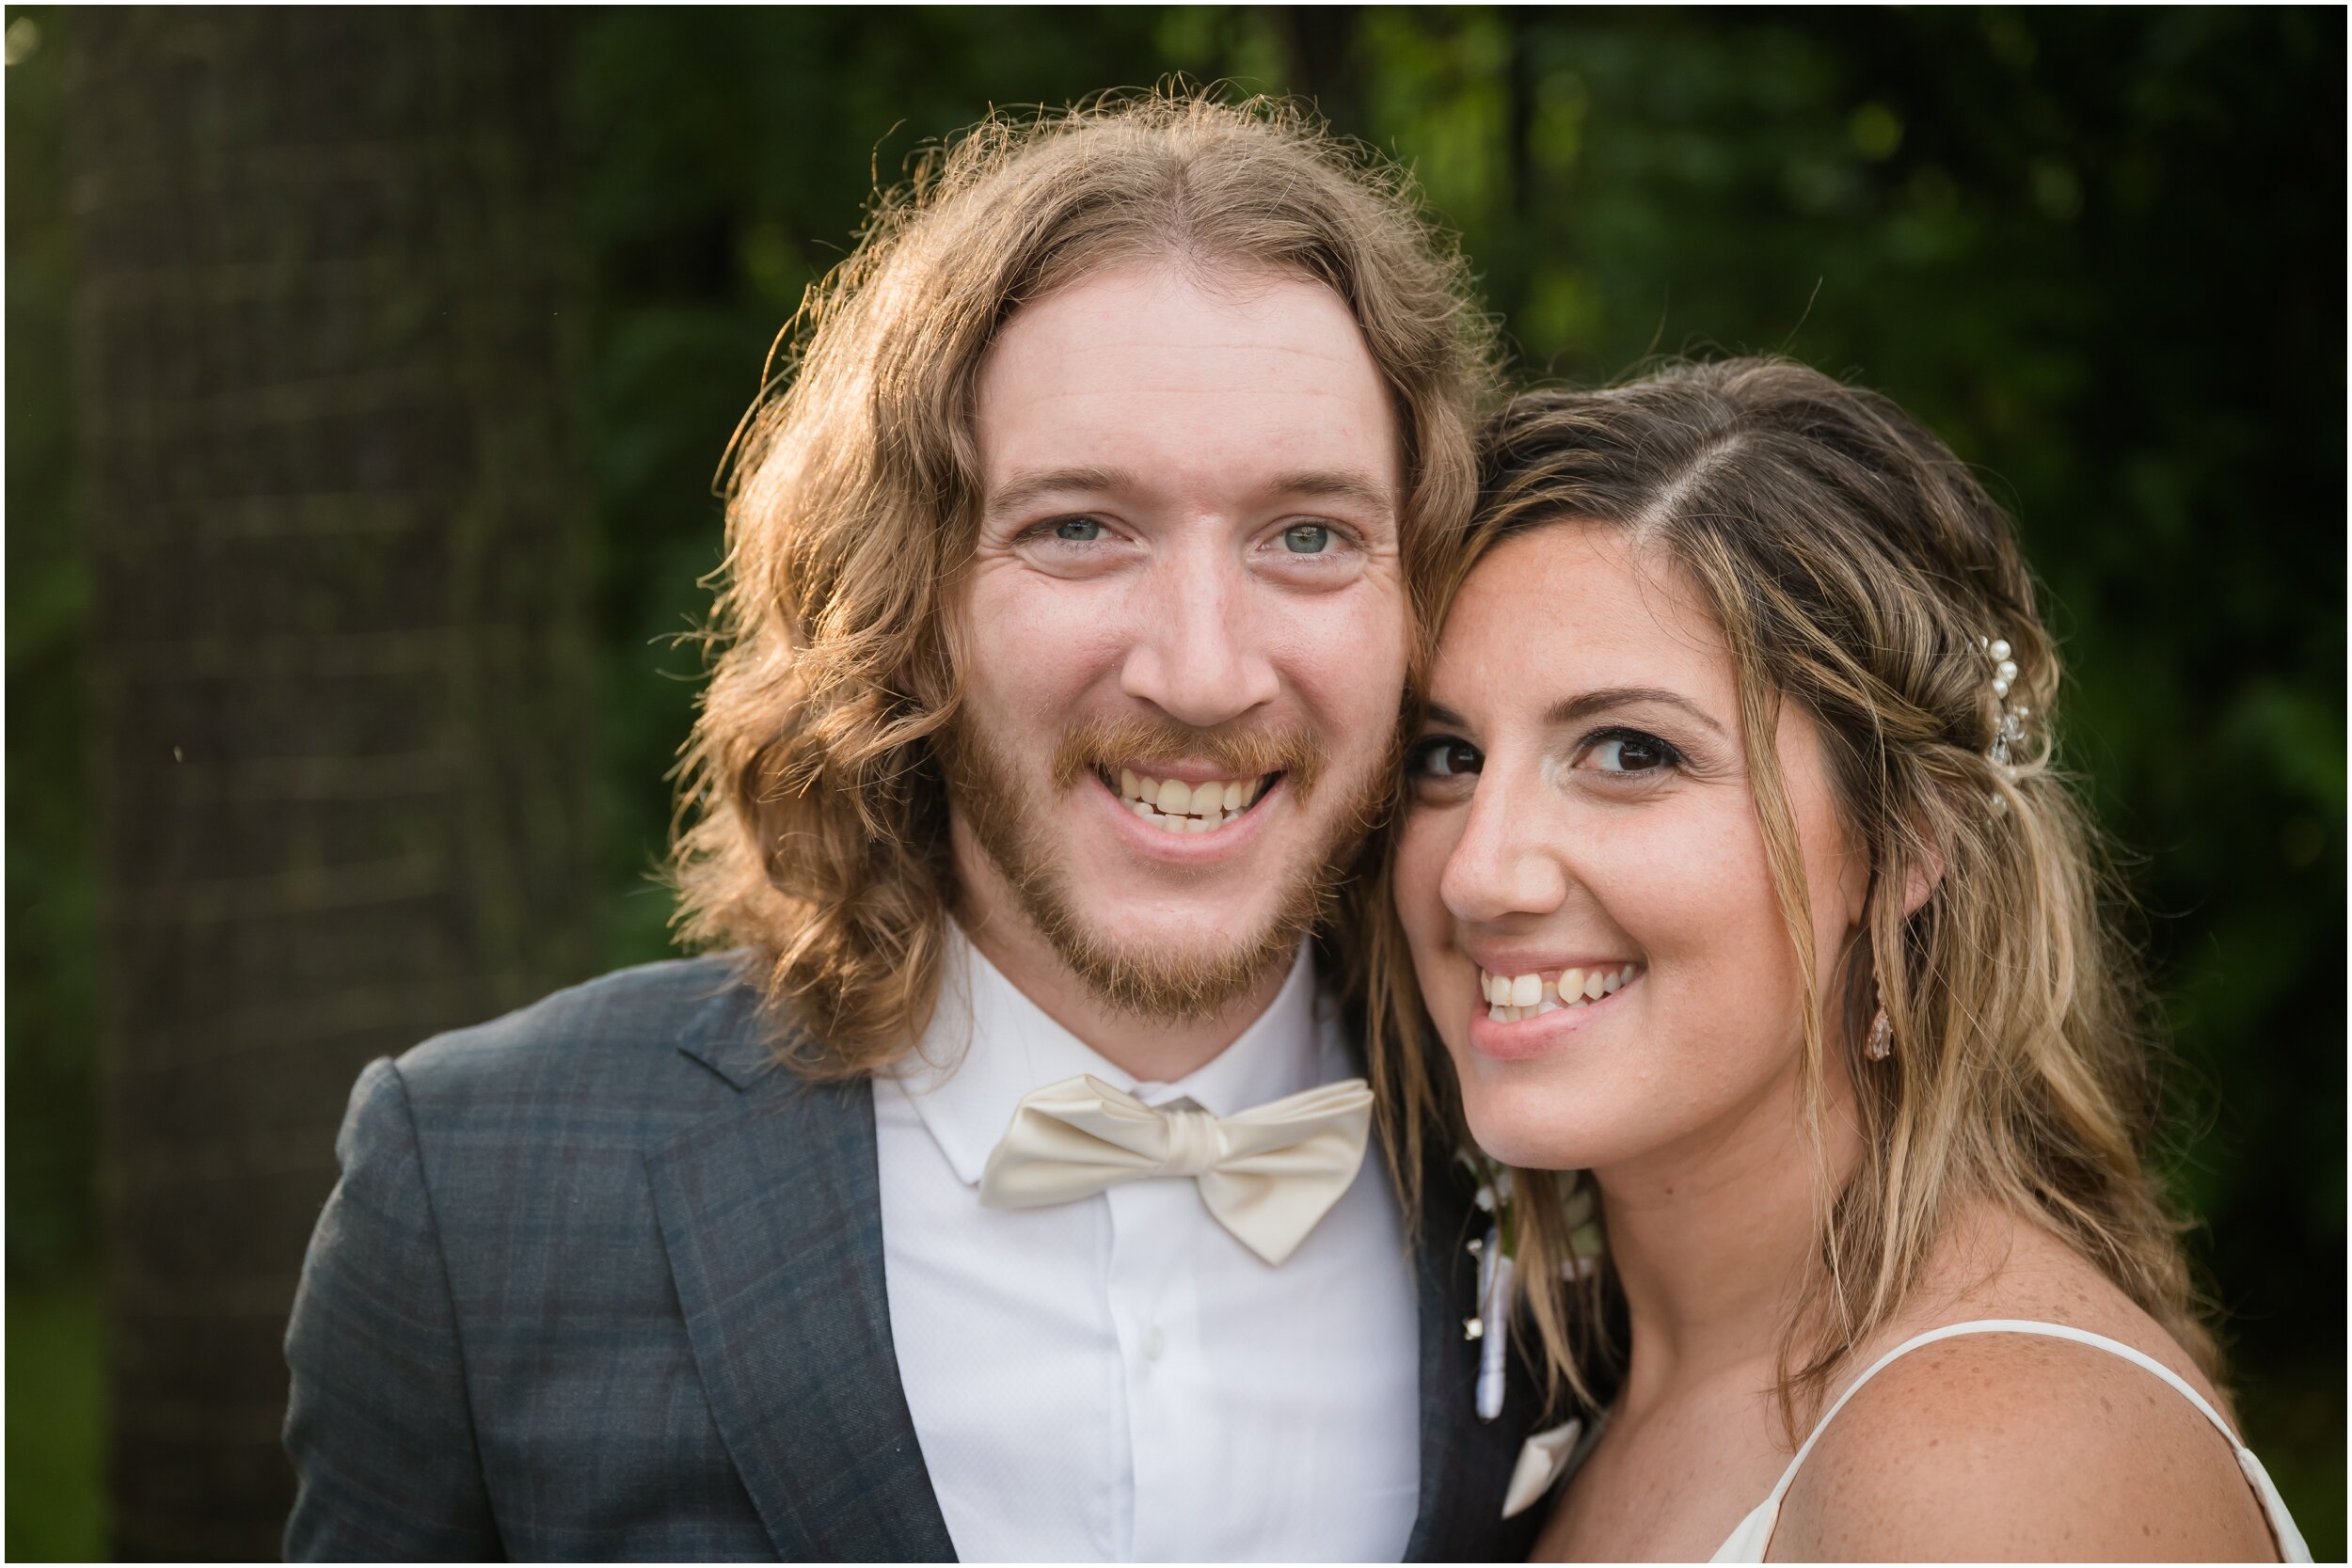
(1881, 1041)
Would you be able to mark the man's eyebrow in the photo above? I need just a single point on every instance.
(1570, 709)
(1022, 489)
(1339, 484)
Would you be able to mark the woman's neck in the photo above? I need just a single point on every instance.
(1712, 1241)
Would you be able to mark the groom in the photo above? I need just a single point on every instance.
(1010, 1189)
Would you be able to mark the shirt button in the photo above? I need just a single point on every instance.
(1153, 1342)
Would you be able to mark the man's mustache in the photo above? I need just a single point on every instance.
(1237, 751)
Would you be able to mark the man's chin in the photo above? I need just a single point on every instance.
(1063, 888)
(1174, 983)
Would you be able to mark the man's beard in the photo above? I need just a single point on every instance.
(1011, 830)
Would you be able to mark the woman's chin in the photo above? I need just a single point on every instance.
(1520, 1134)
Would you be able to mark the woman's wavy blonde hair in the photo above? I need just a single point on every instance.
(813, 815)
(1855, 564)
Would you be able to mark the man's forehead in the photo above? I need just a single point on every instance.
(1145, 377)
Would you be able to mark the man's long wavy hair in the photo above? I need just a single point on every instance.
(813, 815)
(1855, 564)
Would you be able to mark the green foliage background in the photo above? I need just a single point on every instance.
(2100, 251)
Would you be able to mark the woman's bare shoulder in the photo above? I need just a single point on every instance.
(2011, 1446)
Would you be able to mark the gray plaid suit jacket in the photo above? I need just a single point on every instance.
(600, 1280)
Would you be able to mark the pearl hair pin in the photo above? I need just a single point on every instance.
(2009, 726)
(2004, 667)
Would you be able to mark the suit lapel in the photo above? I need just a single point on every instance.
(771, 1217)
(1464, 1463)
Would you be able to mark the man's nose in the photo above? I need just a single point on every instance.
(1198, 654)
(1508, 860)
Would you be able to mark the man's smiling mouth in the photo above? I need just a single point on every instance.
(1177, 807)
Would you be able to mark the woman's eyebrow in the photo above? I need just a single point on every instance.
(1570, 709)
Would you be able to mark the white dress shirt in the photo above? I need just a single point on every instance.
(1118, 1378)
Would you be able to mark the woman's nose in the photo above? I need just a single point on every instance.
(1507, 862)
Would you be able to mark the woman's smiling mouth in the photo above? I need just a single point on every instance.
(1510, 998)
(1562, 1001)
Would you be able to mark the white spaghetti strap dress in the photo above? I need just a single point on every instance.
(1748, 1542)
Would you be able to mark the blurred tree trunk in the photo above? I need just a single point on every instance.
(1320, 42)
(345, 720)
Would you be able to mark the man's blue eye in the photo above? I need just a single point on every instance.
(1081, 529)
(1305, 538)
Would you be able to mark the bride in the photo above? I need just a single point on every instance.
(1742, 892)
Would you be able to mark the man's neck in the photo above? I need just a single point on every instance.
(1150, 1050)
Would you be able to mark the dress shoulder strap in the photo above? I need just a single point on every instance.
(1752, 1539)
(2002, 1325)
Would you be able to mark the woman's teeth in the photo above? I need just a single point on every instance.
(1181, 808)
(1512, 997)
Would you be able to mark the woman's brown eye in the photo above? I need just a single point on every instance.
(1445, 758)
(1630, 752)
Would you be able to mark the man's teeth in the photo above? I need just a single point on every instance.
(1179, 807)
(1512, 997)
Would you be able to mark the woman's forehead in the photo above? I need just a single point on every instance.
(1576, 602)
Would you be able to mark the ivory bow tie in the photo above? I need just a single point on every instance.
(1267, 1175)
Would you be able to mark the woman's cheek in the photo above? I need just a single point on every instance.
(1423, 846)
